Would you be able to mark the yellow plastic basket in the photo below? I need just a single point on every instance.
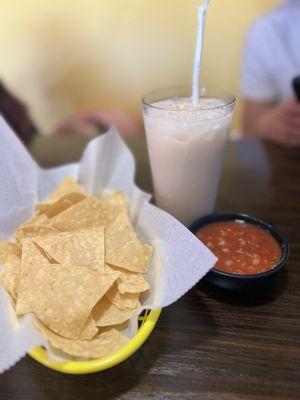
(147, 323)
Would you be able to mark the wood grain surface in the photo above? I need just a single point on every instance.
(212, 343)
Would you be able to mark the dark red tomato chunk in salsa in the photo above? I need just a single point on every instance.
(241, 248)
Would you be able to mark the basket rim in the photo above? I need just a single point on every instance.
(100, 364)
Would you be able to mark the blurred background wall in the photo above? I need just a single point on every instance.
(63, 56)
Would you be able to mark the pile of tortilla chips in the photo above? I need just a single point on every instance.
(79, 267)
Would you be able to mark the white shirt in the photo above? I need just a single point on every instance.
(272, 54)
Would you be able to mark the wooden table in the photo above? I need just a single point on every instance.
(211, 344)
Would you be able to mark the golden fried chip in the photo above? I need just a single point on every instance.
(34, 221)
(102, 344)
(31, 256)
(34, 230)
(132, 283)
(128, 281)
(88, 213)
(125, 301)
(41, 208)
(118, 200)
(58, 206)
(56, 355)
(83, 248)
(39, 225)
(8, 249)
(10, 274)
(108, 268)
(81, 268)
(106, 313)
(89, 330)
(122, 248)
(63, 296)
(67, 185)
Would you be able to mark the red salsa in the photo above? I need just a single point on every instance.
(241, 248)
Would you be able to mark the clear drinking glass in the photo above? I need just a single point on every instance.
(186, 146)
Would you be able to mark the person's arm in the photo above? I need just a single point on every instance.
(264, 115)
(279, 123)
(98, 120)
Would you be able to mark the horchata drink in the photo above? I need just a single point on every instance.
(187, 132)
(186, 144)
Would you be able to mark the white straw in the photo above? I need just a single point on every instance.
(197, 59)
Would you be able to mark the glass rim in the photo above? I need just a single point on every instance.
(228, 98)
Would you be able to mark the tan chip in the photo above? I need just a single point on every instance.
(67, 185)
(58, 206)
(106, 313)
(122, 247)
(132, 283)
(10, 274)
(31, 256)
(37, 220)
(118, 200)
(89, 330)
(88, 213)
(8, 249)
(128, 281)
(84, 247)
(80, 268)
(108, 268)
(104, 343)
(63, 296)
(126, 301)
(39, 225)
(32, 231)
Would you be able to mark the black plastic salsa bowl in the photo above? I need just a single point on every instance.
(234, 281)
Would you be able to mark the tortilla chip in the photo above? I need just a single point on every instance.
(118, 200)
(83, 248)
(67, 185)
(39, 225)
(63, 296)
(58, 206)
(56, 355)
(31, 256)
(88, 213)
(34, 230)
(122, 248)
(108, 268)
(8, 249)
(132, 283)
(102, 344)
(89, 330)
(106, 313)
(125, 301)
(10, 274)
(37, 220)
(118, 327)
(80, 270)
